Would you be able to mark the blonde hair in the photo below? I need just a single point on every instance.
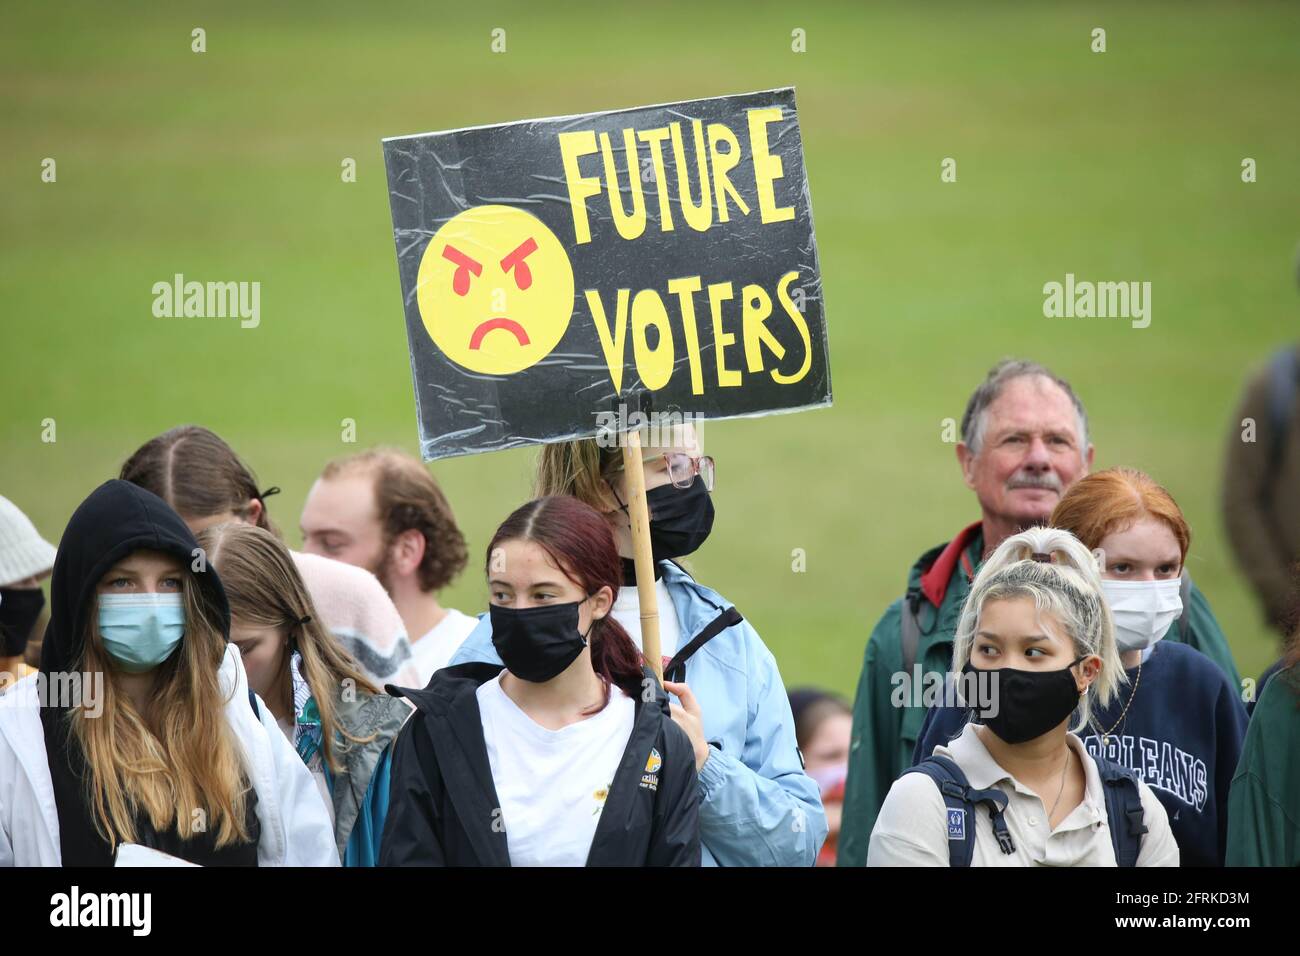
(265, 590)
(1068, 587)
(178, 762)
(577, 469)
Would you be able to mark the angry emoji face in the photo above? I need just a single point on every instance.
(495, 289)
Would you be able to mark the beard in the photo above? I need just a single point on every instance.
(382, 568)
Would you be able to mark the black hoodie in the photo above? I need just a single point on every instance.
(117, 519)
(442, 796)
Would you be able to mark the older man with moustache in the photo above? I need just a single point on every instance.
(1024, 440)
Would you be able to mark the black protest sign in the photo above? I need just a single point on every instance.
(660, 258)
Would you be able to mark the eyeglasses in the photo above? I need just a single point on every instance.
(682, 468)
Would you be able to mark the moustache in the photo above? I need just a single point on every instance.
(1048, 482)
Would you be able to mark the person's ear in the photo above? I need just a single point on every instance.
(601, 602)
(966, 458)
(1087, 459)
(408, 550)
(253, 513)
(1089, 669)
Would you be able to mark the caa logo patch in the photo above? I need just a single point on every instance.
(956, 824)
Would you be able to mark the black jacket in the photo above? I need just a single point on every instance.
(442, 799)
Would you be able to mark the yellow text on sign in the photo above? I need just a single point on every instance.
(717, 153)
(655, 361)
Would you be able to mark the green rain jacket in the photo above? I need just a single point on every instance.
(1264, 799)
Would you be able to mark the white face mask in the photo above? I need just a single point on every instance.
(1143, 610)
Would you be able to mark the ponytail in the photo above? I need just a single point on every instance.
(1055, 569)
(614, 657)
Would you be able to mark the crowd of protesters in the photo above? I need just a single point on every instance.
(1052, 687)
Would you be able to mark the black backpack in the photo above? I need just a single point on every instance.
(1123, 809)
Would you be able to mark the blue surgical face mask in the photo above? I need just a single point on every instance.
(140, 631)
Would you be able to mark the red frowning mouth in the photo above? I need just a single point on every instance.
(510, 325)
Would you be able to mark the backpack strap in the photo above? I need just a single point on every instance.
(1184, 595)
(676, 668)
(910, 625)
(1123, 810)
(1283, 373)
(960, 801)
(252, 700)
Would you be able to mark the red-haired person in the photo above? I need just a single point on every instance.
(565, 756)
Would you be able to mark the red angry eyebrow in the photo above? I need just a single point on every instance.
(523, 276)
(464, 266)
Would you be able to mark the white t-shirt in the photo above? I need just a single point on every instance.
(627, 611)
(552, 784)
(434, 650)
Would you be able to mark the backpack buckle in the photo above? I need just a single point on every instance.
(951, 789)
(1135, 825)
(1005, 843)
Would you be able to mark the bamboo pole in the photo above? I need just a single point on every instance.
(639, 515)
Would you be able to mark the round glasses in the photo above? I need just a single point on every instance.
(682, 468)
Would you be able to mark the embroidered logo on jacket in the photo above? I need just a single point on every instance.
(650, 779)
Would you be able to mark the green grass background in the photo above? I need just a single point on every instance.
(225, 165)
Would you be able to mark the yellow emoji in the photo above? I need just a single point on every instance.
(495, 289)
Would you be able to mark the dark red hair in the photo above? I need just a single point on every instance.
(580, 542)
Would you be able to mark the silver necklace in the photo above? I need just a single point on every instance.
(1064, 768)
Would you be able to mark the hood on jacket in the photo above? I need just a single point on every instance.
(115, 520)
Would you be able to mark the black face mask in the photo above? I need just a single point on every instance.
(19, 609)
(1030, 703)
(680, 518)
(537, 643)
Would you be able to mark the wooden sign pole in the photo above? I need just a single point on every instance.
(639, 515)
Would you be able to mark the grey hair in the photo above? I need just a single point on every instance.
(975, 419)
(1068, 588)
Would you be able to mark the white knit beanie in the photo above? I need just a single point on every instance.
(23, 552)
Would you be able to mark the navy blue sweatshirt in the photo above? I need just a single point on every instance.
(1183, 735)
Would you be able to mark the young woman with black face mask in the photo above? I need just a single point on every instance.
(757, 806)
(564, 756)
(1035, 645)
